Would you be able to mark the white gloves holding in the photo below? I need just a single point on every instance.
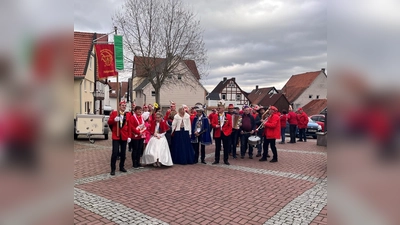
(129, 140)
(116, 119)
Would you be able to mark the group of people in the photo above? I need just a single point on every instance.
(181, 135)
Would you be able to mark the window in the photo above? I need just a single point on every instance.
(84, 85)
(90, 63)
(238, 96)
(153, 93)
(223, 96)
(113, 91)
(317, 96)
(179, 77)
(309, 96)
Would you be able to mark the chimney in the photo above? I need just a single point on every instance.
(224, 79)
(256, 87)
(323, 70)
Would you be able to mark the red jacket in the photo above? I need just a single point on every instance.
(283, 120)
(226, 128)
(135, 122)
(302, 120)
(162, 128)
(124, 128)
(192, 116)
(210, 117)
(292, 118)
(273, 127)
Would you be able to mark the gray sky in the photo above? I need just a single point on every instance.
(258, 42)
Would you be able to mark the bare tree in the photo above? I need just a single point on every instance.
(163, 33)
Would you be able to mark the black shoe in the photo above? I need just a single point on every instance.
(299, 140)
(273, 160)
(268, 156)
(258, 155)
(262, 159)
(242, 157)
(251, 157)
(215, 162)
(227, 163)
(203, 162)
(112, 173)
(123, 170)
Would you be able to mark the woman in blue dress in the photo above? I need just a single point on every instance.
(182, 150)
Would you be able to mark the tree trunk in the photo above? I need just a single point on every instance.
(157, 90)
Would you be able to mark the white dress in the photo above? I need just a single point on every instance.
(157, 149)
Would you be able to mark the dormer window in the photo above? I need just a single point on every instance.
(309, 96)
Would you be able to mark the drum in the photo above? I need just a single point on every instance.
(254, 140)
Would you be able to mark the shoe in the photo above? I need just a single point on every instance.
(258, 155)
(215, 162)
(305, 140)
(251, 157)
(268, 156)
(242, 157)
(299, 140)
(262, 159)
(123, 170)
(112, 173)
(227, 163)
(203, 162)
(273, 160)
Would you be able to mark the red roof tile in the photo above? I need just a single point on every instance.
(297, 84)
(141, 62)
(113, 86)
(256, 95)
(82, 47)
(315, 106)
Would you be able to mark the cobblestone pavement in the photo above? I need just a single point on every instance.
(291, 191)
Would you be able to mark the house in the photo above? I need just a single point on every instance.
(229, 91)
(316, 106)
(86, 91)
(123, 92)
(303, 88)
(185, 88)
(267, 97)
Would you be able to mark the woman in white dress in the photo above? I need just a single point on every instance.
(157, 150)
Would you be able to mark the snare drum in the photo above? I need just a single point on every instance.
(254, 140)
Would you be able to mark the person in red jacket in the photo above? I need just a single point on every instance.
(272, 132)
(137, 135)
(292, 119)
(172, 107)
(283, 121)
(302, 121)
(119, 119)
(222, 124)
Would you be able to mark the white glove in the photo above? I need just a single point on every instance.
(129, 140)
(116, 119)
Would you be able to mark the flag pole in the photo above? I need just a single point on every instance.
(115, 31)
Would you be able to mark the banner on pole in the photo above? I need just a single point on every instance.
(119, 52)
(105, 61)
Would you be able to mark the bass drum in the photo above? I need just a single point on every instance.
(254, 140)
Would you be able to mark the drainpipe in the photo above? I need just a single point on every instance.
(144, 97)
(80, 97)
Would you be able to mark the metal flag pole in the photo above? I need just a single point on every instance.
(118, 96)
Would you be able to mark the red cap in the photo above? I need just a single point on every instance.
(122, 102)
(230, 106)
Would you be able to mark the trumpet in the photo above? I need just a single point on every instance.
(263, 119)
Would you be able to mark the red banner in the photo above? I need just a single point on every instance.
(105, 61)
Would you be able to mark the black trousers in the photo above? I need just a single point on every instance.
(196, 147)
(234, 141)
(271, 142)
(226, 142)
(137, 150)
(292, 130)
(116, 144)
(302, 134)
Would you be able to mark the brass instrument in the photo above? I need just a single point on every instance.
(263, 117)
(236, 121)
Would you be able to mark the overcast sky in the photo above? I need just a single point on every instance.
(257, 42)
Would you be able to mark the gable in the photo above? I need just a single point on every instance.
(258, 94)
(297, 84)
(82, 48)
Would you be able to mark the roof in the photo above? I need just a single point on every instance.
(139, 63)
(297, 84)
(256, 95)
(142, 85)
(82, 49)
(113, 86)
(315, 106)
(213, 96)
(271, 100)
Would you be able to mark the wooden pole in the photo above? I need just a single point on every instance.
(115, 30)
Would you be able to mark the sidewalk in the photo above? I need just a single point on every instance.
(291, 191)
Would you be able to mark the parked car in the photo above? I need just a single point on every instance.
(312, 128)
(320, 119)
